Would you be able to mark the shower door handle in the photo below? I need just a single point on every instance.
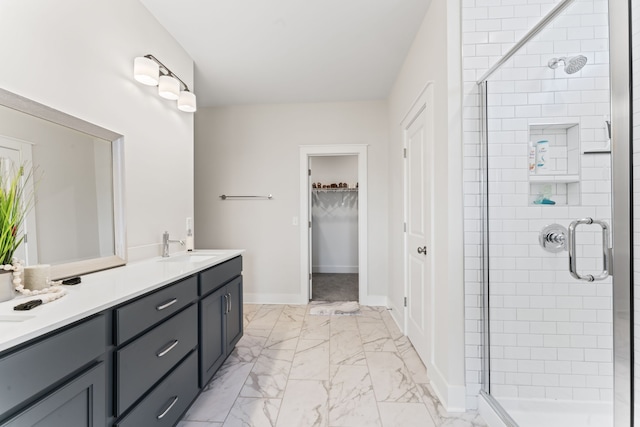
(606, 250)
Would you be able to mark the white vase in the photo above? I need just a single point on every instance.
(7, 291)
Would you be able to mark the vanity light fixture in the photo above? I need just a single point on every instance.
(150, 71)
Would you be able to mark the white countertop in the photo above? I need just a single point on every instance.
(100, 291)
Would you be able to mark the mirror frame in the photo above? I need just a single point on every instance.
(77, 268)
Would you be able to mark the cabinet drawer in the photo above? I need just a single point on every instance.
(217, 276)
(169, 400)
(139, 315)
(27, 372)
(141, 363)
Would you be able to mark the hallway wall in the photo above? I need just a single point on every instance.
(255, 149)
(434, 57)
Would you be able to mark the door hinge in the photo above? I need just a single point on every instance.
(25, 239)
(310, 277)
(309, 224)
(309, 172)
(405, 227)
(405, 301)
(404, 153)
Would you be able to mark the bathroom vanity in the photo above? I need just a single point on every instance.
(132, 346)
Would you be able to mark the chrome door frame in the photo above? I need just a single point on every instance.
(622, 204)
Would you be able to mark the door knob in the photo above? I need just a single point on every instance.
(422, 250)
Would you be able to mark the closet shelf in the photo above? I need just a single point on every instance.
(334, 190)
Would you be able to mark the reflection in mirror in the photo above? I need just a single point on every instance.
(77, 224)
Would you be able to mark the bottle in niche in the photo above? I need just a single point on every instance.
(542, 155)
(532, 158)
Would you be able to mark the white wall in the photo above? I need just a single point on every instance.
(334, 215)
(254, 150)
(434, 57)
(77, 57)
(334, 169)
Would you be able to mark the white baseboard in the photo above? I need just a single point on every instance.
(334, 269)
(452, 397)
(397, 314)
(373, 300)
(262, 298)
(250, 298)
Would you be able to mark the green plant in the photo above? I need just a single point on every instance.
(15, 203)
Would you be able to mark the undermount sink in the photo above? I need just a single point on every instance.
(190, 258)
(14, 317)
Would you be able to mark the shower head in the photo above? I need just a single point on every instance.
(571, 65)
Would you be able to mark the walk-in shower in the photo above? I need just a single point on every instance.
(550, 356)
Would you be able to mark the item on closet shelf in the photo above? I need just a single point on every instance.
(532, 158)
(189, 239)
(542, 155)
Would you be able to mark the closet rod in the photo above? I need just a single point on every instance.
(225, 197)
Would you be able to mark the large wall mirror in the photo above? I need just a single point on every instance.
(77, 222)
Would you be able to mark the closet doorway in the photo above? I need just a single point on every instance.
(333, 223)
(334, 228)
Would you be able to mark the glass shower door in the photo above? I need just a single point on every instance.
(548, 225)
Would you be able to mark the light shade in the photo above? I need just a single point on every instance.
(146, 71)
(187, 102)
(169, 87)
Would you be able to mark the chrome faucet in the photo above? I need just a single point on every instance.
(165, 244)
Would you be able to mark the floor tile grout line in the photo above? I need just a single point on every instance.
(373, 389)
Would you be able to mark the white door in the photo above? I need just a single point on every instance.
(418, 251)
(309, 228)
(17, 153)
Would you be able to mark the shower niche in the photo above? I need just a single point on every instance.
(554, 170)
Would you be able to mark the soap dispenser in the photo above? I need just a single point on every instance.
(189, 239)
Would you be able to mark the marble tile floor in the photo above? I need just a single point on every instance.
(292, 369)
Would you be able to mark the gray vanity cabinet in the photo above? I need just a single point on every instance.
(220, 315)
(141, 363)
(59, 380)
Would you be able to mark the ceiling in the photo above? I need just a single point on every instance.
(284, 51)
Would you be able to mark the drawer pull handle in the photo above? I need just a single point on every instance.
(229, 302)
(166, 411)
(167, 304)
(168, 349)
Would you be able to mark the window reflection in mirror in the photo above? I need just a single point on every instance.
(77, 223)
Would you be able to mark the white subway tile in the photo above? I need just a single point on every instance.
(597, 355)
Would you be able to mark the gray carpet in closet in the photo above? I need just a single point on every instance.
(335, 287)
